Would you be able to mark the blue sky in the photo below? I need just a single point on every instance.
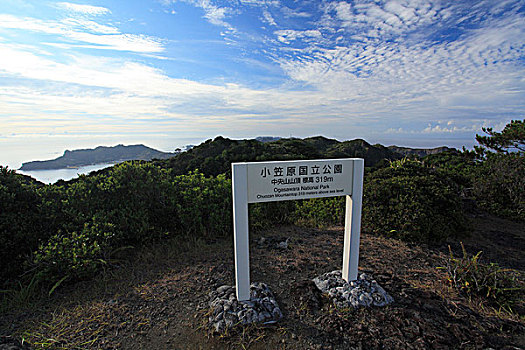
(166, 73)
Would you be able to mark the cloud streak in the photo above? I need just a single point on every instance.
(84, 9)
(76, 31)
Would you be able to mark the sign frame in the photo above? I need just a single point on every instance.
(348, 183)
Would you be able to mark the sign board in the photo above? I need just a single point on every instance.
(277, 181)
(289, 180)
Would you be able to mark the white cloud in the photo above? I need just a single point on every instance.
(216, 15)
(438, 127)
(120, 42)
(343, 76)
(268, 18)
(443, 129)
(414, 75)
(111, 94)
(84, 9)
(288, 35)
(260, 3)
(288, 12)
(90, 71)
(33, 24)
(382, 19)
(101, 36)
(89, 25)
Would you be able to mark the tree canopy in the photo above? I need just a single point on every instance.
(510, 139)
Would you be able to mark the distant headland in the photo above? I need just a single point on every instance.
(99, 155)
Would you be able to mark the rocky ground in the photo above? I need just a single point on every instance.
(162, 300)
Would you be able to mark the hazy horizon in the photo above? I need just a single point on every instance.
(27, 152)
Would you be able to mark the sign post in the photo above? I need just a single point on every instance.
(289, 180)
(240, 230)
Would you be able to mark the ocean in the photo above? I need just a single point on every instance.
(52, 176)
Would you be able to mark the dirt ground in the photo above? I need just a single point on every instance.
(160, 301)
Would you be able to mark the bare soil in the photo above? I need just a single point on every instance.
(160, 301)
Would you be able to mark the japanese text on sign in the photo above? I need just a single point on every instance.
(272, 181)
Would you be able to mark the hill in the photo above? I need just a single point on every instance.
(214, 157)
(99, 155)
(267, 138)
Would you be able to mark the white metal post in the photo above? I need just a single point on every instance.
(240, 230)
(353, 223)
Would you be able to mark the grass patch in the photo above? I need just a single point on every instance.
(500, 287)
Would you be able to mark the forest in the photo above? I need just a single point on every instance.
(52, 235)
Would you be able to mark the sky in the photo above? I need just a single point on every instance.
(166, 73)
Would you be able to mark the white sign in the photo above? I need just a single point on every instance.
(276, 181)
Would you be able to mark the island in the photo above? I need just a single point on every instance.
(99, 155)
(420, 152)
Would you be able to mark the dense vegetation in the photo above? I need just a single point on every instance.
(74, 229)
(21, 222)
(499, 180)
(410, 201)
(71, 230)
(214, 157)
(405, 200)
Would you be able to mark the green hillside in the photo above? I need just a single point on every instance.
(214, 157)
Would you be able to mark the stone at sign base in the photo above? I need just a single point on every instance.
(363, 292)
(227, 311)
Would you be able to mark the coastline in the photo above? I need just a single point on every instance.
(50, 176)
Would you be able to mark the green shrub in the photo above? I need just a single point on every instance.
(130, 205)
(499, 185)
(20, 223)
(129, 196)
(73, 255)
(78, 255)
(458, 166)
(203, 205)
(412, 202)
(320, 212)
(271, 214)
(406, 200)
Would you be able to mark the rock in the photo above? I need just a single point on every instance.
(364, 291)
(277, 314)
(229, 312)
(365, 299)
(274, 242)
(283, 245)
(247, 304)
(217, 308)
(219, 326)
(223, 289)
